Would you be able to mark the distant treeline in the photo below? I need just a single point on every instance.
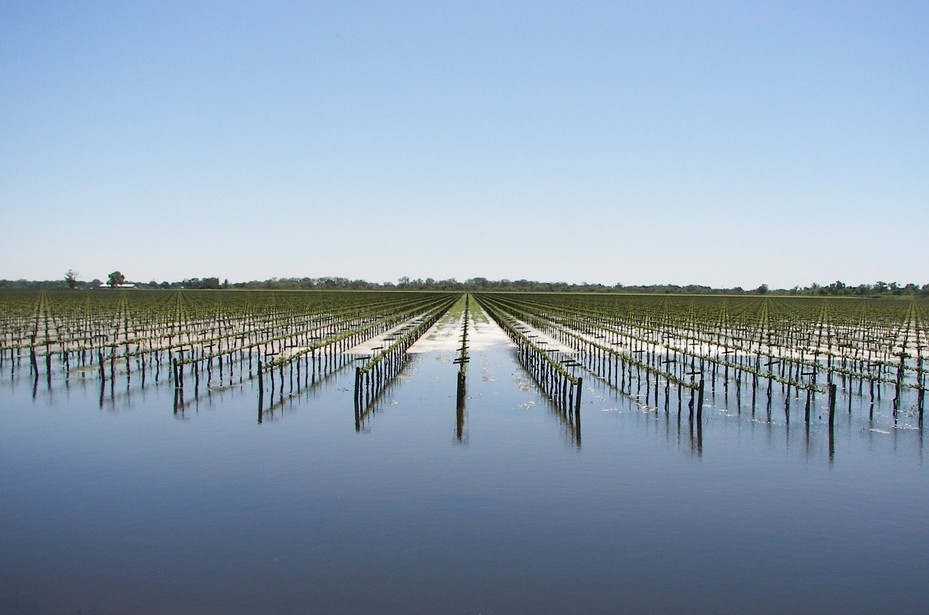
(878, 289)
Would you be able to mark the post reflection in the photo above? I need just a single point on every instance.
(460, 410)
(302, 383)
(369, 393)
(570, 419)
(695, 428)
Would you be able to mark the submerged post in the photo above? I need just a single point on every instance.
(261, 386)
(700, 402)
(461, 384)
(577, 401)
(832, 389)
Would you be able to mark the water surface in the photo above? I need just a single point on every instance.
(512, 507)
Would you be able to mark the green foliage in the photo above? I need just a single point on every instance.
(115, 279)
(835, 289)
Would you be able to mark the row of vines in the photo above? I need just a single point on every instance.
(667, 349)
(201, 341)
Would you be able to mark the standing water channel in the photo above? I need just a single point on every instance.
(503, 504)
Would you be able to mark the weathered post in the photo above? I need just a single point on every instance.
(700, 402)
(577, 401)
(261, 385)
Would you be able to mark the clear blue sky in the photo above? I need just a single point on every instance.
(718, 143)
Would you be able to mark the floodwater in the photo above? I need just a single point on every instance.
(119, 504)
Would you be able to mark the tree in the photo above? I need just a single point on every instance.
(115, 279)
(71, 278)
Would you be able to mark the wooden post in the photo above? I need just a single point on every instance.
(700, 402)
(577, 401)
(831, 405)
(261, 385)
(920, 402)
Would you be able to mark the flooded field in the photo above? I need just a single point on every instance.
(118, 499)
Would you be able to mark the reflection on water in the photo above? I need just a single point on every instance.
(311, 380)
(111, 505)
(569, 419)
(375, 391)
(757, 401)
(461, 400)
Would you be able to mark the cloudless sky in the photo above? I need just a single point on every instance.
(719, 143)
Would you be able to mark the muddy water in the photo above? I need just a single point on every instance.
(126, 506)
